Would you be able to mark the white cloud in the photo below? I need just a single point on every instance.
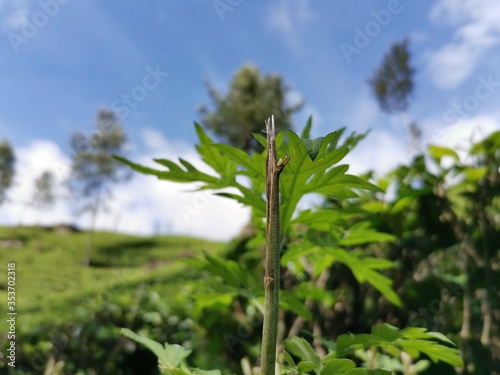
(146, 205)
(31, 162)
(289, 19)
(143, 206)
(461, 134)
(379, 151)
(14, 14)
(477, 31)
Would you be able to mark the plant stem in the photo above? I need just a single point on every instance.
(272, 265)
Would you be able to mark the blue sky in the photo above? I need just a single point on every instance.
(64, 59)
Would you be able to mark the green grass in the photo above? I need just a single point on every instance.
(50, 278)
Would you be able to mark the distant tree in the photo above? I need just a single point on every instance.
(251, 99)
(44, 194)
(43, 198)
(94, 171)
(392, 84)
(7, 164)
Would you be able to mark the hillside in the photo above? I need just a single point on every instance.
(127, 273)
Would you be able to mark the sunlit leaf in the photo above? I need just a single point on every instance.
(302, 349)
(169, 356)
(438, 152)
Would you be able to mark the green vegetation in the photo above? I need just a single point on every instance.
(313, 243)
(251, 97)
(93, 170)
(426, 259)
(123, 283)
(7, 168)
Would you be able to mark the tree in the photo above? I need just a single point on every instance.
(44, 195)
(94, 170)
(7, 163)
(392, 85)
(251, 98)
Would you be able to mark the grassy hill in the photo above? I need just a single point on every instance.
(49, 263)
(127, 278)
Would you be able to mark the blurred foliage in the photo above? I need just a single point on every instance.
(74, 313)
(425, 256)
(338, 247)
(252, 96)
(93, 168)
(44, 194)
(7, 168)
(392, 82)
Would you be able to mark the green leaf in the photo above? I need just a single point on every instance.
(261, 139)
(306, 366)
(175, 173)
(362, 371)
(474, 174)
(488, 146)
(290, 302)
(169, 356)
(223, 165)
(297, 177)
(213, 301)
(253, 169)
(438, 152)
(197, 371)
(364, 269)
(386, 331)
(307, 130)
(321, 219)
(249, 199)
(230, 271)
(365, 236)
(288, 359)
(309, 290)
(337, 366)
(302, 349)
(173, 371)
(313, 146)
(440, 336)
(413, 341)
